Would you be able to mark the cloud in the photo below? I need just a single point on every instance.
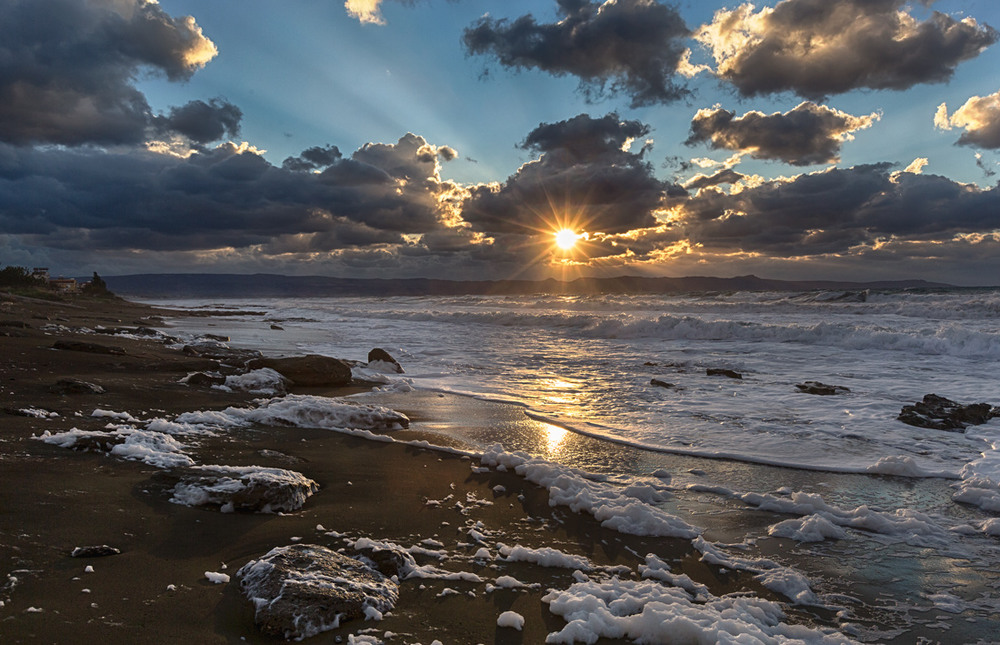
(584, 178)
(203, 122)
(838, 211)
(724, 176)
(805, 135)
(631, 47)
(71, 82)
(979, 116)
(815, 48)
(315, 158)
(225, 197)
(916, 166)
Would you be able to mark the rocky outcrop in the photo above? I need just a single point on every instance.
(75, 386)
(815, 387)
(380, 360)
(718, 371)
(658, 383)
(301, 590)
(939, 413)
(252, 489)
(311, 370)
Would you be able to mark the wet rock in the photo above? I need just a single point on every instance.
(657, 382)
(381, 360)
(939, 413)
(815, 387)
(718, 371)
(203, 379)
(216, 337)
(17, 324)
(311, 370)
(277, 327)
(252, 489)
(219, 351)
(93, 348)
(389, 560)
(75, 386)
(101, 551)
(301, 590)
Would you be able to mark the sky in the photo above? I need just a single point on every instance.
(800, 139)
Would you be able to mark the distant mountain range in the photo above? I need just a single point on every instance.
(212, 285)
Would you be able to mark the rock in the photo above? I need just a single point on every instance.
(815, 387)
(215, 337)
(717, 371)
(19, 324)
(388, 363)
(660, 383)
(75, 386)
(183, 365)
(93, 348)
(101, 551)
(203, 379)
(301, 590)
(939, 413)
(220, 352)
(311, 370)
(277, 327)
(252, 489)
(389, 560)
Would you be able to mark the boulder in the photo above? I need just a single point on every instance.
(301, 590)
(815, 387)
(380, 360)
(939, 413)
(657, 382)
(93, 348)
(75, 386)
(311, 370)
(277, 327)
(252, 489)
(718, 371)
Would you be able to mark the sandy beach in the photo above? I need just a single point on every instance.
(444, 507)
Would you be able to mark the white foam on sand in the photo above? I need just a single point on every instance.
(263, 381)
(289, 489)
(649, 612)
(624, 510)
(153, 448)
(304, 411)
(544, 557)
(511, 619)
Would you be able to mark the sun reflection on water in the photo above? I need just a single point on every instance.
(554, 436)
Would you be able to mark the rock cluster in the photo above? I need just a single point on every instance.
(940, 413)
(815, 387)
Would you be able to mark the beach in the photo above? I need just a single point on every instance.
(491, 530)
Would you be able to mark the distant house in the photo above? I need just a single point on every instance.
(64, 284)
(40, 273)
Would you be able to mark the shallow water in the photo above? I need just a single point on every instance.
(572, 378)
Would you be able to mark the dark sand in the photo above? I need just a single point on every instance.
(53, 499)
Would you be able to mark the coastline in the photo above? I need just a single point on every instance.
(54, 499)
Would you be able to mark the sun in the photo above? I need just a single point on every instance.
(566, 239)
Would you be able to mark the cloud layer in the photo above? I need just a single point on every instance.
(67, 70)
(816, 48)
(633, 47)
(805, 135)
(979, 117)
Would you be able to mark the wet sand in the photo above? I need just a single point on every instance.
(53, 499)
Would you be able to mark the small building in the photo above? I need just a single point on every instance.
(40, 273)
(64, 284)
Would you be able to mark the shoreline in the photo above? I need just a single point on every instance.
(54, 499)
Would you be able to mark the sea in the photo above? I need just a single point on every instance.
(881, 515)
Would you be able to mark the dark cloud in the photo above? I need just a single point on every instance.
(632, 47)
(805, 135)
(838, 209)
(226, 197)
(315, 158)
(583, 178)
(67, 70)
(724, 176)
(816, 48)
(203, 122)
